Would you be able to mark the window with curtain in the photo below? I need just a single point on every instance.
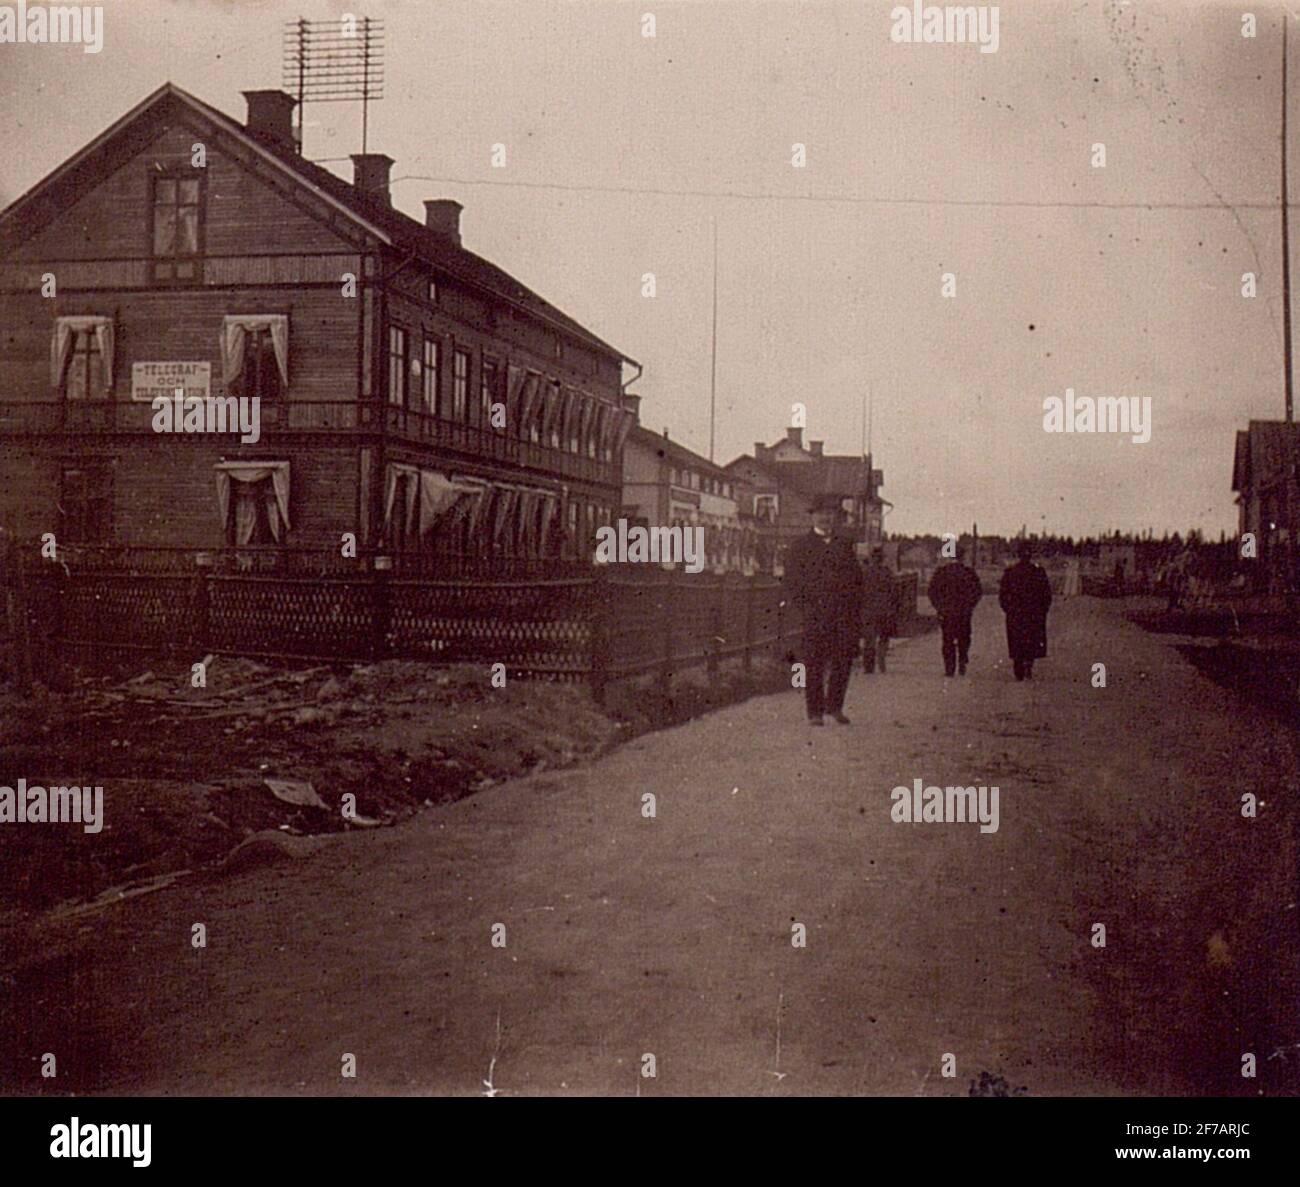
(260, 375)
(83, 378)
(489, 390)
(401, 532)
(430, 375)
(177, 227)
(460, 385)
(252, 506)
(397, 366)
(555, 397)
(86, 503)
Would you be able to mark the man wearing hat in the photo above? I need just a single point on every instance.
(954, 592)
(824, 584)
(879, 611)
(1025, 596)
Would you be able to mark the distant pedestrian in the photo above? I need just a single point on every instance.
(954, 592)
(1025, 595)
(879, 611)
(824, 582)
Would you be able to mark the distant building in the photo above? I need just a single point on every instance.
(1265, 459)
(667, 485)
(786, 478)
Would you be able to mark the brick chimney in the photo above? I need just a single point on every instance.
(270, 116)
(795, 435)
(370, 175)
(442, 217)
(815, 448)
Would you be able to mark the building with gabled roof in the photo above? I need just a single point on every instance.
(787, 478)
(411, 392)
(1265, 460)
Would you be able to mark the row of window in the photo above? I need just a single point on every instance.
(416, 382)
(82, 354)
(694, 480)
(253, 368)
(255, 516)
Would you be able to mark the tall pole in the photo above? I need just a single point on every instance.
(1288, 477)
(1286, 242)
(713, 350)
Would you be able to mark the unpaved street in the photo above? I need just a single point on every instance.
(672, 936)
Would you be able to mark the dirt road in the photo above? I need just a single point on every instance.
(672, 936)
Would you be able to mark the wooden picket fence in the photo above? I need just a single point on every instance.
(543, 620)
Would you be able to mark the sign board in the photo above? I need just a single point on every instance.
(151, 380)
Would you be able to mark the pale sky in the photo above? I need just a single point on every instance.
(921, 160)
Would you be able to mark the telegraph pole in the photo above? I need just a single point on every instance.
(1288, 430)
(713, 371)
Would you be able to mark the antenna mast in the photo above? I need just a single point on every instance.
(338, 61)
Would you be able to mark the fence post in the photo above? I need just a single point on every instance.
(381, 607)
(667, 612)
(718, 592)
(747, 660)
(13, 588)
(599, 615)
(61, 651)
(202, 617)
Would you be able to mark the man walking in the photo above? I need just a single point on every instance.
(954, 592)
(824, 583)
(879, 611)
(1025, 596)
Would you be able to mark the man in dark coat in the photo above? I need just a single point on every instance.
(954, 592)
(1025, 596)
(879, 611)
(824, 584)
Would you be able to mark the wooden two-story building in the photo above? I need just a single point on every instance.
(410, 393)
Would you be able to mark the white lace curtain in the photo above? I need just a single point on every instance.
(61, 346)
(245, 509)
(234, 336)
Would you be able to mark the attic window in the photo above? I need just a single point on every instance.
(559, 347)
(177, 227)
(433, 292)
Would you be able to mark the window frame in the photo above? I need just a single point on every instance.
(489, 393)
(398, 364)
(89, 392)
(94, 470)
(255, 368)
(431, 374)
(460, 384)
(177, 175)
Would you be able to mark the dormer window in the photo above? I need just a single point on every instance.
(177, 228)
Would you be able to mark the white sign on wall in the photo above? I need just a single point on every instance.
(151, 380)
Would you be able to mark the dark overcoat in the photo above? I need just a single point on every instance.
(824, 584)
(880, 599)
(1025, 596)
(954, 592)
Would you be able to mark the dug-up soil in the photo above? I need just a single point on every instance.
(185, 769)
